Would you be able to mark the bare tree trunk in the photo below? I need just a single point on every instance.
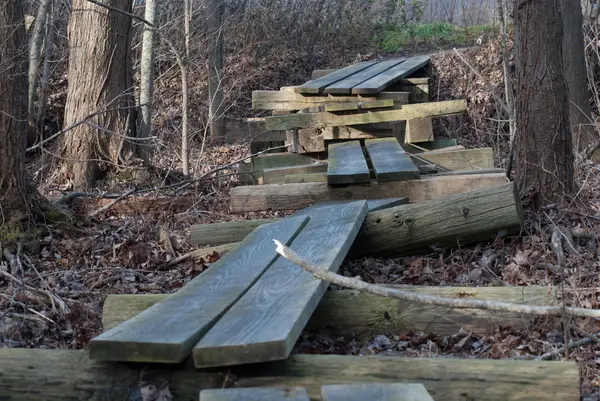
(48, 55)
(215, 9)
(147, 83)
(574, 68)
(185, 154)
(35, 53)
(544, 148)
(14, 198)
(509, 94)
(99, 69)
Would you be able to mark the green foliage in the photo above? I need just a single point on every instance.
(440, 34)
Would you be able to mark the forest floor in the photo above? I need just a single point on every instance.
(125, 251)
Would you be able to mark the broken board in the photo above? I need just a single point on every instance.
(347, 164)
(266, 322)
(390, 162)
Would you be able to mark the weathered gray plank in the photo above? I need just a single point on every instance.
(318, 85)
(289, 100)
(347, 163)
(345, 86)
(375, 392)
(167, 331)
(255, 394)
(391, 76)
(390, 161)
(266, 322)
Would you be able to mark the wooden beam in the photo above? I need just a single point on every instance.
(254, 198)
(389, 77)
(368, 105)
(325, 119)
(419, 130)
(266, 322)
(448, 222)
(220, 250)
(347, 164)
(465, 159)
(318, 85)
(167, 331)
(302, 178)
(360, 314)
(390, 162)
(344, 87)
(309, 141)
(56, 375)
(404, 81)
(273, 175)
(291, 101)
(436, 144)
(255, 394)
(375, 392)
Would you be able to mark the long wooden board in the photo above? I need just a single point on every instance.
(57, 375)
(325, 119)
(254, 198)
(344, 87)
(167, 332)
(235, 231)
(291, 101)
(273, 175)
(266, 322)
(375, 392)
(347, 164)
(463, 159)
(390, 161)
(255, 394)
(318, 85)
(391, 76)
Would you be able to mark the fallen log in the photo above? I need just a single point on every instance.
(297, 196)
(360, 314)
(28, 374)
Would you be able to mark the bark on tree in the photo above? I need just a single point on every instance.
(14, 199)
(544, 166)
(574, 69)
(147, 83)
(48, 56)
(99, 73)
(215, 10)
(35, 54)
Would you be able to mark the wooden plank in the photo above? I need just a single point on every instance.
(436, 144)
(344, 86)
(291, 101)
(374, 104)
(390, 161)
(235, 231)
(301, 178)
(271, 175)
(419, 93)
(375, 392)
(318, 85)
(297, 196)
(266, 322)
(365, 131)
(347, 164)
(59, 375)
(405, 81)
(255, 394)
(309, 141)
(326, 119)
(419, 130)
(167, 332)
(219, 250)
(391, 76)
(360, 314)
(465, 159)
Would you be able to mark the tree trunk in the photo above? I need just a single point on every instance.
(14, 199)
(147, 83)
(48, 56)
(574, 69)
(544, 147)
(215, 9)
(99, 72)
(35, 53)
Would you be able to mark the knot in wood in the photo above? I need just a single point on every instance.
(464, 211)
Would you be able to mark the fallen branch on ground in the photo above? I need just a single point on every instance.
(457, 303)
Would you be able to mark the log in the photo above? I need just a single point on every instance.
(325, 119)
(355, 314)
(291, 101)
(31, 374)
(297, 196)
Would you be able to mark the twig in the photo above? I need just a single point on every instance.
(53, 298)
(573, 344)
(458, 303)
(111, 204)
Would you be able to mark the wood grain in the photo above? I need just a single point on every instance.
(255, 198)
(292, 101)
(347, 164)
(274, 175)
(317, 85)
(325, 119)
(462, 159)
(167, 331)
(59, 375)
(391, 76)
(390, 162)
(344, 87)
(375, 392)
(255, 394)
(419, 130)
(266, 322)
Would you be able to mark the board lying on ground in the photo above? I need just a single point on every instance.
(347, 164)
(70, 375)
(407, 112)
(390, 162)
(266, 322)
(292, 101)
(253, 198)
(375, 392)
(167, 332)
(255, 394)
(235, 231)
